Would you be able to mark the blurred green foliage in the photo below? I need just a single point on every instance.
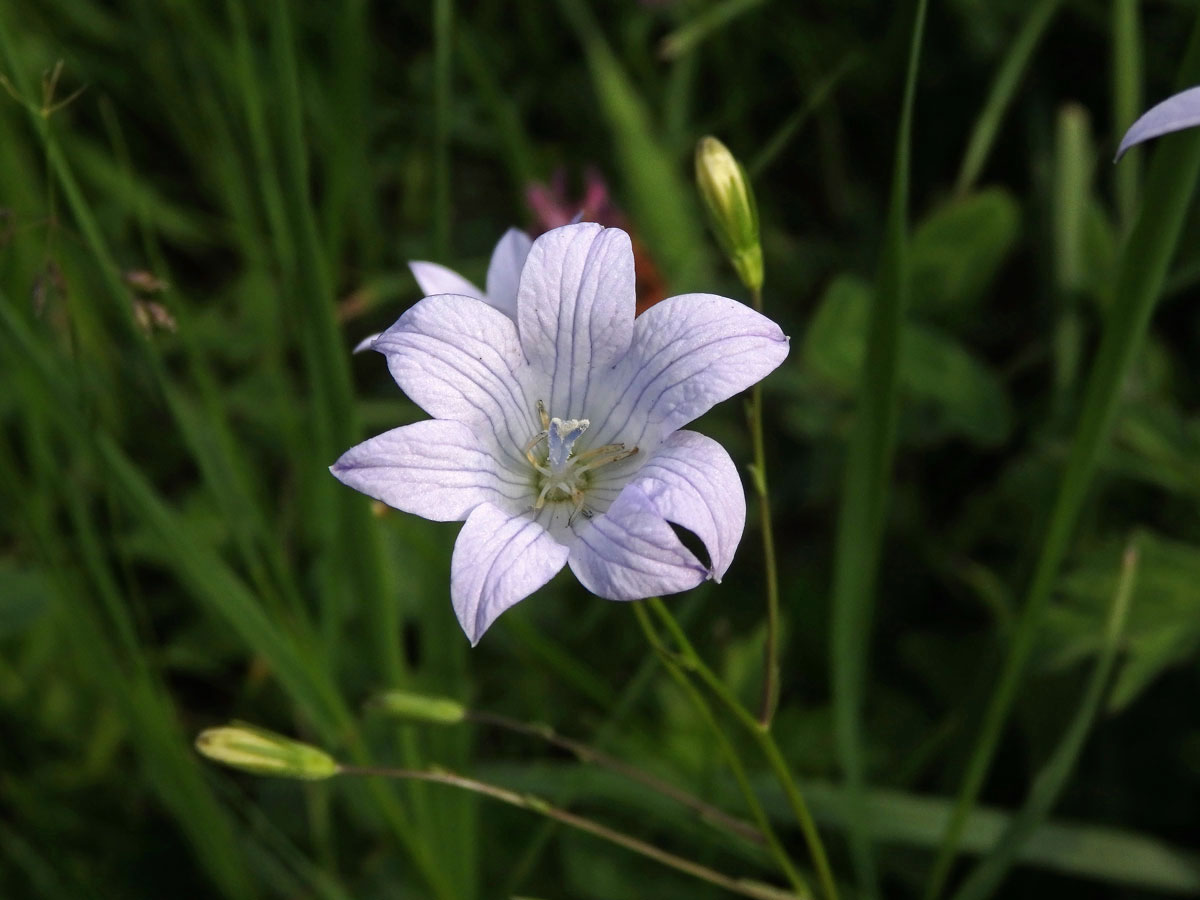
(192, 243)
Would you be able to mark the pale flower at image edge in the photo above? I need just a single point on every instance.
(555, 431)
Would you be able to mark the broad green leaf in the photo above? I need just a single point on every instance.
(953, 393)
(957, 250)
(1164, 621)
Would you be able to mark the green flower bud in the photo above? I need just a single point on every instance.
(439, 710)
(263, 752)
(732, 213)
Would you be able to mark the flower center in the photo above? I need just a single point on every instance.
(561, 474)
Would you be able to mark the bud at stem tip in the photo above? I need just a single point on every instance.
(732, 212)
(263, 752)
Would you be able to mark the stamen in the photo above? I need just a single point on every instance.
(561, 475)
(533, 442)
(592, 458)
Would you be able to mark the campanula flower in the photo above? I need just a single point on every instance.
(556, 428)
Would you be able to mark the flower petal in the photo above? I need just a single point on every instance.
(630, 552)
(692, 482)
(689, 353)
(499, 559)
(575, 309)
(437, 469)
(458, 358)
(366, 343)
(1173, 114)
(504, 271)
(434, 279)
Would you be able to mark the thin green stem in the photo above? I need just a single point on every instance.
(741, 886)
(671, 662)
(588, 754)
(690, 660)
(770, 689)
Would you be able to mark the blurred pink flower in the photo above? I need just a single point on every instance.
(553, 206)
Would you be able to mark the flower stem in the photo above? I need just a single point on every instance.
(588, 754)
(770, 689)
(690, 660)
(669, 660)
(744, 887)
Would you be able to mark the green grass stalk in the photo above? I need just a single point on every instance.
(770, 688)
(691, 661)
(590, 755)
(1004, 88)
(674, 668)
(741, 886)
(1051, 780)
(1126, 101)
(1141, 274)
(866, 484)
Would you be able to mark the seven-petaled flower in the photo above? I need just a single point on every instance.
(555, 430)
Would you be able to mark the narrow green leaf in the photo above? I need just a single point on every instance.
(1126, 100)
(687, 37)
(1141, 274)
(866, 482)
(1053, 777)
(659, 198)
(1074, 163)
(1004, 88)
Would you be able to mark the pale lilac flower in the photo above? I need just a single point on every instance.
(1177, 112)
(503, 276)
(555, 430)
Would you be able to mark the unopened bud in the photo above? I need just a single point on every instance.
(727, 196)
(263, 752)
(439, 710)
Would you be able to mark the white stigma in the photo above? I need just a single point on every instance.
(561, 474)
(560, 441)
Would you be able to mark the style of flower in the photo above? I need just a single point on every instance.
(556, 428)
(503, 276)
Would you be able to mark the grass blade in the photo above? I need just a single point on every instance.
(1048, 785)
(865, 488)
(1127, 99)
(987, 125)
(659, 199)
(1140, 277)
(897, 819)
(688, 37)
